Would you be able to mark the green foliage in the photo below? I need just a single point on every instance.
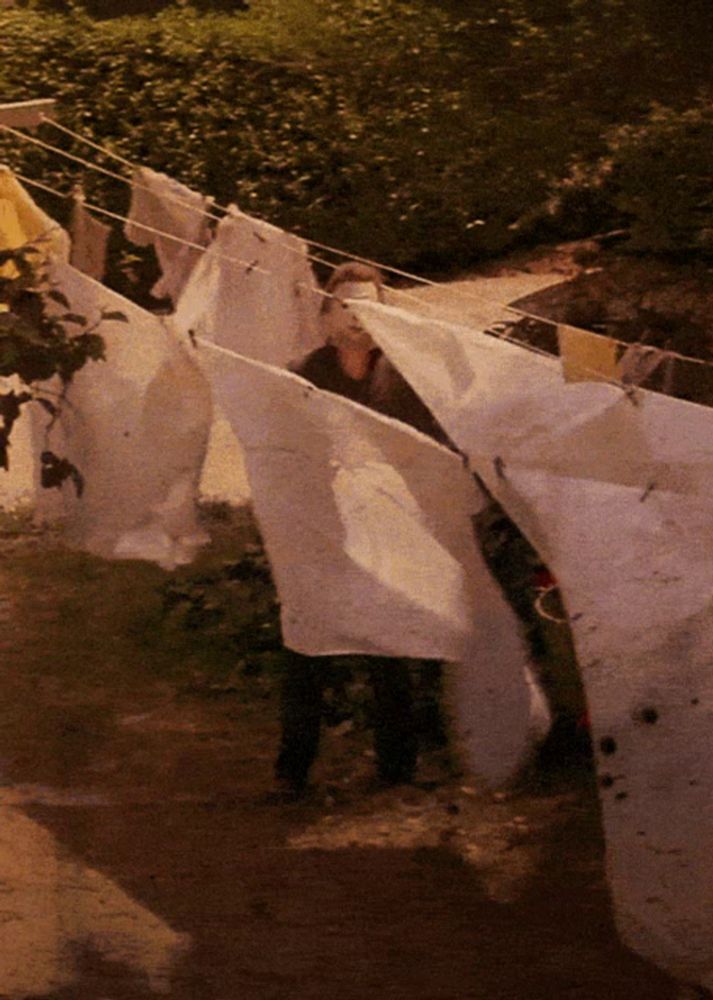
(661, 178)
(413, 132)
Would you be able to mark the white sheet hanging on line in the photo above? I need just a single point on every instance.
(161, 203)
(267, 309)
(367, 526)
(618, 498)
(136, 427)
(89, 240)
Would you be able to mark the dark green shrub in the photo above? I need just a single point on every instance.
(412, 132)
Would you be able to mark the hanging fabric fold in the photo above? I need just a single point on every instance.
(89, 239)
(136, 426)
(159, 202)
(619, 500)
(367, 524)
(267, 310)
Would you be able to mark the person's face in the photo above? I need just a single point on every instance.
(339, 324)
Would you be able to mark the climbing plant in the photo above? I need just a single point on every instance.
(42, 344)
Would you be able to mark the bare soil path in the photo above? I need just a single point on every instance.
(139, 854)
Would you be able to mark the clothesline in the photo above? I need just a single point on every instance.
(134, 184)
(481, 299)
(460, 293)
(628, 389)
(486, 300)
(503, 335)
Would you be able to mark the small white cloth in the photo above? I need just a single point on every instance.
(618, 498)
(89, 240)
(160, 203)
(136, 426)
(266, 307)
(368, 528)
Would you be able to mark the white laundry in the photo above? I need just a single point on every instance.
(266, 308)
(268, 311)
(161, 203)
(136, 426)
(618, 498)
(89, 240)
(367, 524)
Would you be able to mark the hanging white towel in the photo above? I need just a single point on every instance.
(619, 500)
(265, 309)
(368, 528)
(136, 426)
(161, 203)
(89, 240)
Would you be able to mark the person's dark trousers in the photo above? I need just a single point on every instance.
(301, 708)
(300, 718)
(395, 739)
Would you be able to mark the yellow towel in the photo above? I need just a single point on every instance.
(12, 235)
(587, 357)
(29, 223)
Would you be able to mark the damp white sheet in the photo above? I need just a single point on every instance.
(253, 292)
(160, 203)
(136, 426)
(368, 529)
(618, 498)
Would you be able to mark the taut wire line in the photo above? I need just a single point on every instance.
(234, 260)
(629, 390)
(315, 243)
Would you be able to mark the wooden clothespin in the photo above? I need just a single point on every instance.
(26, 114)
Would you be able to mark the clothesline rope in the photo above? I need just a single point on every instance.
(403, 293)
(628, 389)
(320, 246)
(470, 296)
(133, 183)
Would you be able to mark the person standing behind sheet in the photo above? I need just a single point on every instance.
(351, 365)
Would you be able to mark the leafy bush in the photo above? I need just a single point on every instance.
(413, 132)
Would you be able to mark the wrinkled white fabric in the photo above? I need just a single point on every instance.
(162, 203)
(367, 526)
(136, 426)
(266, 308)
(618, 498)
(89, 240)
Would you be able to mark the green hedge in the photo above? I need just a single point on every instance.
(413, 132)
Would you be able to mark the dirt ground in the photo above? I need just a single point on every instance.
(140, 852)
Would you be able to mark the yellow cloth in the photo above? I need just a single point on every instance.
(27, 223)
(12, 235)
(587, 357)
